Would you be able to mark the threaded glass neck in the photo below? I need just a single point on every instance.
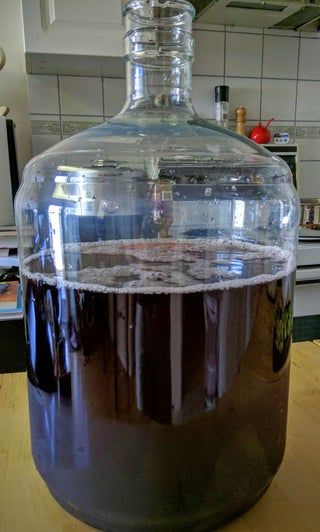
(159, 53)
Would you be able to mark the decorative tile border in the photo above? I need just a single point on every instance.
(45, 127)
(295, 132)
(308, 132)
(52, 127)
(72, 127)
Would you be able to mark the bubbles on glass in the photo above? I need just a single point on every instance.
(109, 206)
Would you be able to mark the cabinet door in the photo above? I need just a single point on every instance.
(81, 27)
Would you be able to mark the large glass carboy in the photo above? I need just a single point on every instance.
(157, 257)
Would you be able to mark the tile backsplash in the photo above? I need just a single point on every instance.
(273, 74)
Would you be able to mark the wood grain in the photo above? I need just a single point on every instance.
(290, 505)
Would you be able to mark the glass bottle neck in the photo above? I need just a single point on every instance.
(159, 53)
(164, 87)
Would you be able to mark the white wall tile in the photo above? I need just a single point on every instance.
(81, 96)
(310, 34)
(308, 103)
(243, 54)
(43, 94)
(209, 53)
(203, 94)
(45, 132)
(278, 99)
(310, 179)
(114, 95)
(280, 57)
(309, 149)
(246, 92)
(309, 65)
(41, 143)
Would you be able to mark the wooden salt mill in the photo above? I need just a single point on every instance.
(241, 118)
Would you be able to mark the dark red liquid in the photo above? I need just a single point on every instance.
(158, 411)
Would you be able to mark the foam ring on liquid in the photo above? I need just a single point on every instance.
(154, 279)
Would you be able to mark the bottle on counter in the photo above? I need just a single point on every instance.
(221, 93)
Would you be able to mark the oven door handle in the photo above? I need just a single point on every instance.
(306, 282)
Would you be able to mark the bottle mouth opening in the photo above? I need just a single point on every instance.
(158, 32)
(159, 10)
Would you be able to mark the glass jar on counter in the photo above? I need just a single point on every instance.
(157, 256)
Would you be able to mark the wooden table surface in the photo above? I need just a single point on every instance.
(292, 503)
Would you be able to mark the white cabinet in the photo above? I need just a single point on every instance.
(73, 27)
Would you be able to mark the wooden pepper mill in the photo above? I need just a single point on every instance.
(241, 118)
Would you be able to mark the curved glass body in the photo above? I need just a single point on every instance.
(157, 256)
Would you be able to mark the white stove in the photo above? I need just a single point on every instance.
(307, 293)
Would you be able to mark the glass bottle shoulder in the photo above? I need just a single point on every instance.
(171, 139)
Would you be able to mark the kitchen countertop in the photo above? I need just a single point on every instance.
(290, 505)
